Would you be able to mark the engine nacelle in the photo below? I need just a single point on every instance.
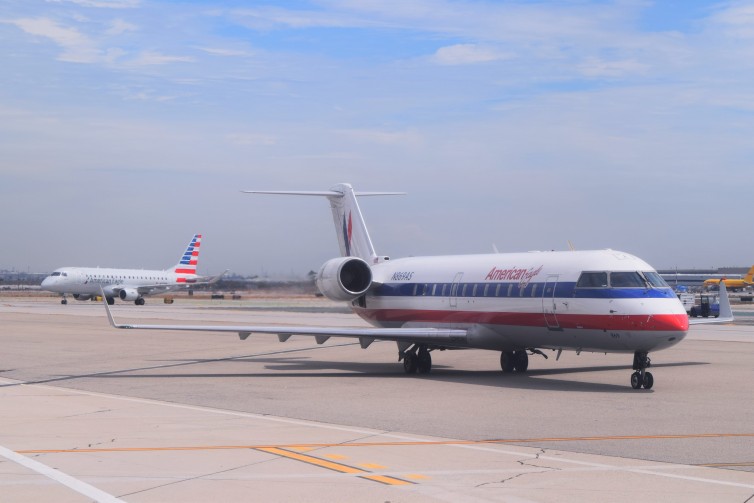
(128, 294)
(344, 278)
(81, 296)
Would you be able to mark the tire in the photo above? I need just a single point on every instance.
(636, 380)
(409, 363)
(424, 362)
(648, 380)
(520, 361)
(507, 362)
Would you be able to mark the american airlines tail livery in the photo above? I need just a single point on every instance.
(127, 284)
(516, 303)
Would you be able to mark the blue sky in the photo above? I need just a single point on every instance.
(128, 125)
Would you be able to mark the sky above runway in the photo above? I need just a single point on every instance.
(128, 125)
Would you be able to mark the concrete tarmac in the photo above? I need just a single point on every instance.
(91, 413)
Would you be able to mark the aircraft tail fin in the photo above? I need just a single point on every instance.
(190, 258)
(353, 237)
(749, 278)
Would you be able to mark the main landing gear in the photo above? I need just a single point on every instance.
(417, 359)
(64, 301)
(139, 301)
(641, 378)
(514, 361)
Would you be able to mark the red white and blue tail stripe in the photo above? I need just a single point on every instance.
(187, 264)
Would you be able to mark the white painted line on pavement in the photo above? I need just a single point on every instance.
(58, 476)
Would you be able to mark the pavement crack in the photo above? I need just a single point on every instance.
(527, 463)
(87, 413)
(197, 477)
(501, 481)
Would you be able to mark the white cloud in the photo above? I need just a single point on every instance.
(152, 58)
(404, 138)
(106, 4)
(77, 47)
(738, 21)
(218, 51)
(271, 17)
(118, 27)
(595, 67)
(466, 54)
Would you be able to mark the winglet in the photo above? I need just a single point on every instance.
(109, 313)
(726, 313)
(215, 279)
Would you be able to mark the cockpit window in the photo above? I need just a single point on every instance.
(627, 279)
(592, 280)
(56, 273)
(656, 280)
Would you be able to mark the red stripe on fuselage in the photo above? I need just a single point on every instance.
(185, 271)
(652, 322)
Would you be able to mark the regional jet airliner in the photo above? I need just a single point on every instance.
(516, 303)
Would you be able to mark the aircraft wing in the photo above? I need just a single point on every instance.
(726, 313)
(210, 280)
(366, 336)
(158, 289)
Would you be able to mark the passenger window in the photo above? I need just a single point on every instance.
(592, 280)
(629, 279)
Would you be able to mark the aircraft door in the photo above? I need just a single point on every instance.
(549, 306)
(454, 290)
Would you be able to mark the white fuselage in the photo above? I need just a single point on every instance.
(87, 281)
(529, 300)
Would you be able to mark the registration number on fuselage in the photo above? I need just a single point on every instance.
(402, 276)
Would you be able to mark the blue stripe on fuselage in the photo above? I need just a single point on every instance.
(509, 290)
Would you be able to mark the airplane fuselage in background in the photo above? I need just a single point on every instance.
(127, 284)
(86, 281)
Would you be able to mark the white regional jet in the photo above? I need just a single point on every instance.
(127, 284)
(515, 303)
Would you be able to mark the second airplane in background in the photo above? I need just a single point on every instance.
(732, 283)
(85, 283)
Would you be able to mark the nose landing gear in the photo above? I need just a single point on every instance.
(641, 378)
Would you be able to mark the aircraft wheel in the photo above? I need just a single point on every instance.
(424, 362)
(648, 380)
(110, 301)
(507, 361)
(64, 301)
(139, 301)
(520, 361)
(636, 380)
(409, 363)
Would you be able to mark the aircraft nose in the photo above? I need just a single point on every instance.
(47, 281)
(674, 323)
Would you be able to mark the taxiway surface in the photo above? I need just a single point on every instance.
(180, 416)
